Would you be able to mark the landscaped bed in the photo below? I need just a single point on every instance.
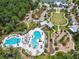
(58, 18)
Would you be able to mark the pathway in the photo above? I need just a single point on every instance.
(23, 55)
(50, 44)
(57, 9)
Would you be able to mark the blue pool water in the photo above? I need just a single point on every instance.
(13, 40)
(37, 35)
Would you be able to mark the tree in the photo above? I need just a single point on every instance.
(9, 28)
(76, 55)
(9, 53)
(21, 27)
(76, 39)
(62, 55)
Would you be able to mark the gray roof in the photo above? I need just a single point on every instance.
(46, 1)
(63, 1)
(49, 24)
(74, 28)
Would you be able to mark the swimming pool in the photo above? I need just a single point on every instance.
(13, 40)
(37, 36)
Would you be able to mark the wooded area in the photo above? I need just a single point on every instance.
(12, 12)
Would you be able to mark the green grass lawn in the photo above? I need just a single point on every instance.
(44, 57)
(58, 18)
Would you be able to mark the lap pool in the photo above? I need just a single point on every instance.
(13, 40)
(37, 36)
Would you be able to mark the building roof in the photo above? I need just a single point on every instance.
(49, 24)
(74, 28)
(47, 1)
(62, 1)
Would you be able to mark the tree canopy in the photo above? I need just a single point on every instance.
(13, 11)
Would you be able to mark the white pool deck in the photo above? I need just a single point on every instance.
(35, 51)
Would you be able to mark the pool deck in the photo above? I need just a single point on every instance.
(40, 48)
